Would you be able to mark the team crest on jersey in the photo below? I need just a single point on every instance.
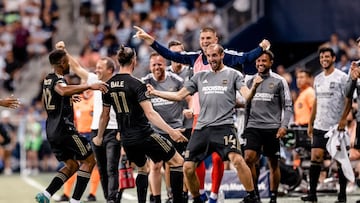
(271, 85)
(225, 82)
(332, 85)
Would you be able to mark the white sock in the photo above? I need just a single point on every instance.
(213, 195)
(201, 191)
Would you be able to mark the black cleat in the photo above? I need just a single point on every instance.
(309, 198)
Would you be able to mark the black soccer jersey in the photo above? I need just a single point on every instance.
(60, 121)
(125, 94)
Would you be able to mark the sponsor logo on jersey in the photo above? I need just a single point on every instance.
(263, 96)
(214, 89)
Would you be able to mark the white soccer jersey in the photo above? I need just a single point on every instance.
(330, 96)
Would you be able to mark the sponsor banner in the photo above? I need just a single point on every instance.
(232, 187)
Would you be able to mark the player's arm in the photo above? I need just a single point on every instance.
(247, 93)
(165, 52)
(103, 122)
(68, 90)
(172, 96)
(74, 64)
(157, 120)
(312, 119)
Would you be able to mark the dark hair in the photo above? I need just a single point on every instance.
(55, 56)
(306, 71)
(110, 63)
(327, 49)
(125, 55)
(175, 43)
(269, 53)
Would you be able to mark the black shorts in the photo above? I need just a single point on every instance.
(179, 146)
(73, 146)
(357, 138)
(318, 139)
(154, 146)
(221, 139)
(262, 141)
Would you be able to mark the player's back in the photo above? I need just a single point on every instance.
(125, 94)
(59, 108)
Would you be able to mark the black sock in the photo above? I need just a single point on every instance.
(176, 182)
(157, 198)
(142, 184)
(257, 169)
(57, 182)
(82, 180)
(315, 169)
(185, 197)
(251, 193)
(342, 182)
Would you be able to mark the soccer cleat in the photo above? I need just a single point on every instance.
(250, 199)
(204, 197)
(309, 198)
(91, 198)
(211, 200)
(341, 199)
(41, 198)
(273, 201)
(63, 198)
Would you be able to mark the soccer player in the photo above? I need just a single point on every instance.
(268, 116)
(108, 154)
(328, 108)
(127, 95)
(214, 131)
(65, 141)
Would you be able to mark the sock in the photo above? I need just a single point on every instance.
(69, 184)
(342, 182)
(217, 172)
(213, 195)
(157, 198)
(57, 182)
(315, 169)
(142, 184)
(94, 181)
(256, 181)
(200, 172)
(83, 178)
(185, 197)
(47, 194)
(176, 182)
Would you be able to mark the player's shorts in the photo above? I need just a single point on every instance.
(357, 136)
(318, 139)
(71, 147)
(262, 141)
(179, 146)
(221, 139)
(154, 146)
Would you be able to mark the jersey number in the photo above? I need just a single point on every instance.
(47, 99)
(230, 140)
(119, 97)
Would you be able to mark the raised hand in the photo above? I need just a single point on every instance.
(141, 34)
(265, 44)
(60, 45)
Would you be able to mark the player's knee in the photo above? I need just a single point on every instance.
(188, 168)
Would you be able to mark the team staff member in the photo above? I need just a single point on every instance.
(214, 131)
(127, 95)
(66, 143)
(199, 62)
(269, 113)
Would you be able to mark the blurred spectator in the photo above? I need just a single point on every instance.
(6, 151)
(33, 141)
(343, 63)
(21, 38)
